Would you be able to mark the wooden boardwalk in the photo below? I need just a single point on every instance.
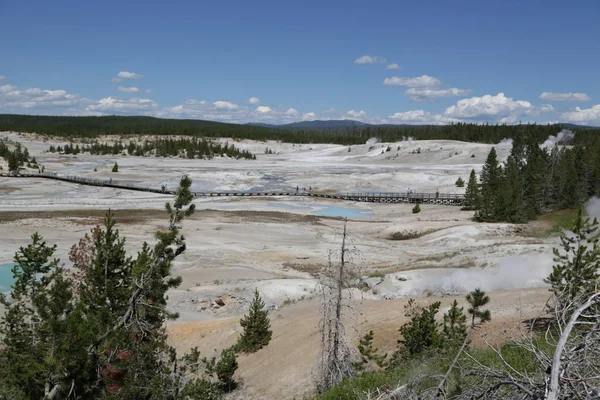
(370, 197)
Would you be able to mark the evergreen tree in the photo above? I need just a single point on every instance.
(416, 209)
(369, 353)
(491, 184)
(421, 333)
(257, 327)
(577, 270)
(455, 325)
(478, 299)
(31, 331)
(115, 167)
(460, 182)
(472, 196)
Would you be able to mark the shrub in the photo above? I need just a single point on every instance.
(416, 209)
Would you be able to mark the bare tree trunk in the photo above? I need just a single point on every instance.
(556, 359)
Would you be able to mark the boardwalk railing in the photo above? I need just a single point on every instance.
(372, 197)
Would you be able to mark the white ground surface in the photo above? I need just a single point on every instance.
(278, 244)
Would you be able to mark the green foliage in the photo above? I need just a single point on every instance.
(416, 209)
(115, 167)
(16, 158)
(472, 195)
(257, 327)
(478, 299)
(455, 325)
(576, 273)
(369, 355)
(102, 334)
(421, 332)
(460, 182)
(184, 147)
(225, 368)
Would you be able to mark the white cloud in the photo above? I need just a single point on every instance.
(309, 116)
(355, 114)
(393, 66)
(116, 80)
(420, 117)
(291, 112)
(501, 108)
(225, 105)
(421, 94)
(131, 89)
(253, 100)
(2, 77)
(263, 109)
(584, 116)
(114, 105)
(550, 96)
(12, 98)
(129, 75)
(423, 81)
(370, 60)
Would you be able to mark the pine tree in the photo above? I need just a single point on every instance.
(455, 325)
(115, 167)
(257, 327)
(421, 333)
(369, 353)
(416, 209)
(577, 269)
(491, 185)
(472, 195)
(460, 182)
(32, 330)
(478, 299)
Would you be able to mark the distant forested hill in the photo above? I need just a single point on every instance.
(323, 132)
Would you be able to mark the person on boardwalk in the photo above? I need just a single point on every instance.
(437, 193)
(297, 188)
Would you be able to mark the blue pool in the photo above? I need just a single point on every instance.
(6, 277)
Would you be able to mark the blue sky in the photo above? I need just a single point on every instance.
(278, 61)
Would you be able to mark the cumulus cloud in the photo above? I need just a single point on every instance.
(115, 105)
(253, 100)
(500, 108)
(584, 116)
(423, 81)
(370, 60)
(393, 66)
(129, 75)
(419, 117)
(13, 98)
(263, 109)
(550, 96)
(355, 114)
(291, 112)
(131, 89)
(309, 116)
(225, 105)
(421, 94)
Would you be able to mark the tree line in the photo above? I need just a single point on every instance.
(534, 180)
(90, 127)
(189, 148)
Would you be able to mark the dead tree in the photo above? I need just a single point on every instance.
(336, 356)
(572, 371)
